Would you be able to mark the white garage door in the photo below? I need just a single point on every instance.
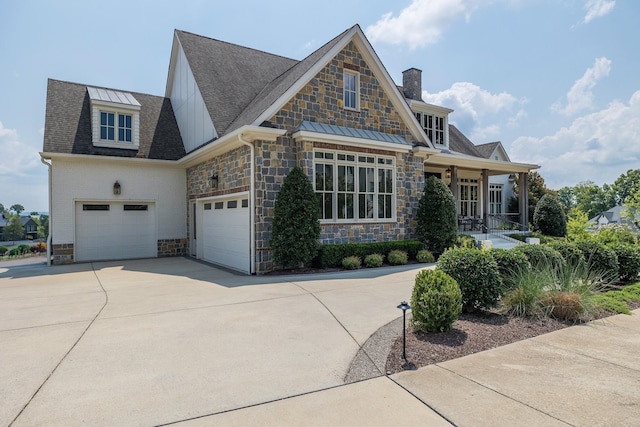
(108, 230)
(225, 233)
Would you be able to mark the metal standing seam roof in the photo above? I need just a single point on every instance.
(352, 132)
(110, 95)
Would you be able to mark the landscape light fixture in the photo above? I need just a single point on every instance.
(404, 307)
(117, 189)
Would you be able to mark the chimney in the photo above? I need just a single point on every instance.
(412, 84)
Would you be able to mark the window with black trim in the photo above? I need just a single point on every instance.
(136, 208)
(95, 207)
(219, 205)
(232, 204)
(207, 206)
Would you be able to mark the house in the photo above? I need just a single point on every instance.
(616, 215)
(197, 171)
(29, 225)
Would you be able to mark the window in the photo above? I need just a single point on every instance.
(207, 206)
(433, 126)
(364, 189)
(95, 207)
(495, 199)
(136, 207)
(468, 193)
(351, 90)
(115, 118)
(124, 127)
(108, 127)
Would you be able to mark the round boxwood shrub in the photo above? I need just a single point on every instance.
(477, 275)
(628, 261)
(570, 252)
(397, 257)
(600, 258)
(541, 255)
(3, 250)
(510, 264)
(15, 252)
(466, 241)
(373, 260)
(436, 301)
(437, 224)
(24, 249)
(549, 217)
(351, 263)
(425, 256)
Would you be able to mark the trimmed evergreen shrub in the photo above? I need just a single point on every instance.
(425, 256)
(373, 260)
(24, 249)
(436, 301)
(628, 261)
(465, 241)
(331, 255)
(510, 264)
(437, 224)
(600, 258)
(295, 229)
(549, 217)
(477, 275)
(352, 263)
(15, 252)
(3, 250)
(540, 254)
(397, 257)
(570, 252)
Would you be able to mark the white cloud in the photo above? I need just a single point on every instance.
(580, 96)
(597, 8)
(17, 157)
(478, 113)
(421, 23)
(598, 146)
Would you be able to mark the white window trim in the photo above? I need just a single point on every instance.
(344, 91)
(432, 110)
(335, 162)
(97, 108)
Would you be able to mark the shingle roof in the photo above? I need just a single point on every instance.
(460, 143)
(352, 132)
(487, 149)
(68, 125)
(229, 76)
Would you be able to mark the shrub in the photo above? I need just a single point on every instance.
(606, 302)
(3, 250)
(15, 252)
(295, 227)
(563, 305)
(24, 249)
(477, 275)
(41, 247)
(397, 257)
(352, 263)
(549, 217)
(425, 256)
(437, 224)
(373, 260)
(332, 255)
(569, 251)
(465, 241)
(510, 264)
(523, 237)
(614, 234)
(540, 254)
(628, 261)
(600, 258)
(436, 301)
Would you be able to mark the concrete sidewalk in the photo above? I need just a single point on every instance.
(173, 341)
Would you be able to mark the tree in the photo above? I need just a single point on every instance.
(626, 185)
(1, 208)
(437, 225)
(537, 188)
(549, 218)
(43, 226)
(17, 208)
(296, 228)
(13, 230)
(591, 199)
(566, 199)
(577, 225)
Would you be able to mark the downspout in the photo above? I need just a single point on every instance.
(252, 211)
(49, 239)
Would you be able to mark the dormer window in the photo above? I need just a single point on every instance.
(351, 98)
(115, 118)
(434, 121)
(433, 126)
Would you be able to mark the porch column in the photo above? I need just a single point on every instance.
(484, 196)
(454, 187)
(523, 198)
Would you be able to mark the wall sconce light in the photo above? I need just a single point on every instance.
(117, 189)
(447, 173)
(214, 181)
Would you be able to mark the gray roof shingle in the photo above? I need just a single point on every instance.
(68, 125)
(487, 149)
(460, 143)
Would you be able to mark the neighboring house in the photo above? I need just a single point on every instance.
(615, 215)
(29, 225)
(197, 172)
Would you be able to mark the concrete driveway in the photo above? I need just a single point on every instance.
(152, 342)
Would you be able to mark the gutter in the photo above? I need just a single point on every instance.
(49, 236)
(252, 212)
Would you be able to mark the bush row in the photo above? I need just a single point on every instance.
(330, 256)
(23, 249)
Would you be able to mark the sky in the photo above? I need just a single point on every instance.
(556, 81)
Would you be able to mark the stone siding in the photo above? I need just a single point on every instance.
(172, 247)
(62, 253)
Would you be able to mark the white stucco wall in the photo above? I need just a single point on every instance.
(192, 115)
(92, 180)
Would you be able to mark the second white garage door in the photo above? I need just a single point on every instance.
(225, 233)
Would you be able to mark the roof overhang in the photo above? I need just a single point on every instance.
(108, 159)
(303, 135)
(495, 167)
(230, 142)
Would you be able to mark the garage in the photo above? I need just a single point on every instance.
(225, 232)
(115, 230)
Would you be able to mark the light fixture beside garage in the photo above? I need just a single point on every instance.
(117, 189)
(214, 181)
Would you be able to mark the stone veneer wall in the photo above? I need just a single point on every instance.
(62, 253)
(172, 247)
